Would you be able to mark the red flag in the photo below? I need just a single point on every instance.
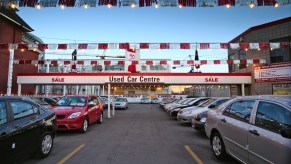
(190, 62)
(62, 46)
(144, 46)
(42, 46)
(106, 62)
(134, 62)
(203, 61)
(120, 62)
(82, 46)
(102, 46)
(216, 61)
(244, 45)
(67, 62)
(224, 45)
(264, 45)
(176, 62)
(164, 46)
(81, 62)
(184, 45)
(229, 61)
(4, 46)
(93, 62)
(204, 46)
(22, 46)
(123, 45)
(163, 62)
(149, 62)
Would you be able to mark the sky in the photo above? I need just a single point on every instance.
(149, 25)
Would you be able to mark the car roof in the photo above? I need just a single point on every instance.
(284, 99)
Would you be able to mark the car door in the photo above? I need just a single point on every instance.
(27, 124)
(7, 134)
(92, 110)
(266, 145)
(234, 125)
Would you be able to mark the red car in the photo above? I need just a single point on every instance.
(76, 112)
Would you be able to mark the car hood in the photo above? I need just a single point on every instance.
(67, 110)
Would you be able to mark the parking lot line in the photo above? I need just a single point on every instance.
(198, 160)
(71, 154)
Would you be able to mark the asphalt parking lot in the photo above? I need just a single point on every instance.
(143, 134)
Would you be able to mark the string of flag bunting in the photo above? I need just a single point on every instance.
(142, 62)
(141, 3)
(151, 46)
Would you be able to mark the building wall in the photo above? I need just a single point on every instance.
(10, 33)
(261, 35)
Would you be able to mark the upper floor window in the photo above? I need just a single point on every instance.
(242, 56)
(280, 54)
(231, 66)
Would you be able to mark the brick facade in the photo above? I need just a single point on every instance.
(12, 33)
(261, 33)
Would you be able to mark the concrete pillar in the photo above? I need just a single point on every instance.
(109, 100)
(86, 90)
(64, 90)
(36, 90)
(103, 90)
(243, 89)
(77, 90)
(10, 72)
(113, 103)
(19, 90)
(169, 90)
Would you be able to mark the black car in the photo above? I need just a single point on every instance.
(26, 129)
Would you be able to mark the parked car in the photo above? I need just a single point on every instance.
(77, 112)
(155, 100)
(105, 102)
(42, 103)
(48, 100)
(26, 129)
(121, 103)
(145, 100)
(199, 118)
(195, 102)
(185, 115)
(253, 129)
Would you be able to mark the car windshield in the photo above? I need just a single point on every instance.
(206, 103)
(120, 100)
(72, 101)
(40, 102)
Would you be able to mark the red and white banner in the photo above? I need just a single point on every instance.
(143, 62)
(273, 73)
(153, 46)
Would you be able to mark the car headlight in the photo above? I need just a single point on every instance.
(74, 115)
(203, 119)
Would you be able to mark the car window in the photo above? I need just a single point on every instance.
(272, 117)
(3, 113)
(240, 110)
(72, 101)
(22, 109)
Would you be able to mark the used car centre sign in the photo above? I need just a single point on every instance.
(134, 79)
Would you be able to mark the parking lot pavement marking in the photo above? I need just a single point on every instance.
(71, 154)
(198, 160)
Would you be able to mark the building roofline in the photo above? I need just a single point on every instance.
(262, 26)
(14, 18)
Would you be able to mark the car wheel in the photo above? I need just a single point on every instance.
(45, 145)
(100, 121)
(84, 125)
(218, 147)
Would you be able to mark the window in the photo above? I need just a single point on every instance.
(231, 66)
(242, 56)
(3, 113)
(281, 54)
(273, 117)
(23, 109)
(240, 110)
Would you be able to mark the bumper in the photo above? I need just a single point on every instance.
(198, 125)
(70, 124)
(120, 107)
(184, 119)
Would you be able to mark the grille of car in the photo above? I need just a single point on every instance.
(61, 116)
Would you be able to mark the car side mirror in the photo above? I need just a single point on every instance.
(286, 132)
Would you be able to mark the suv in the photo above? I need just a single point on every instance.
(252, 129)
(26, 128)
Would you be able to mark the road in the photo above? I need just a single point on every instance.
(143, 134)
